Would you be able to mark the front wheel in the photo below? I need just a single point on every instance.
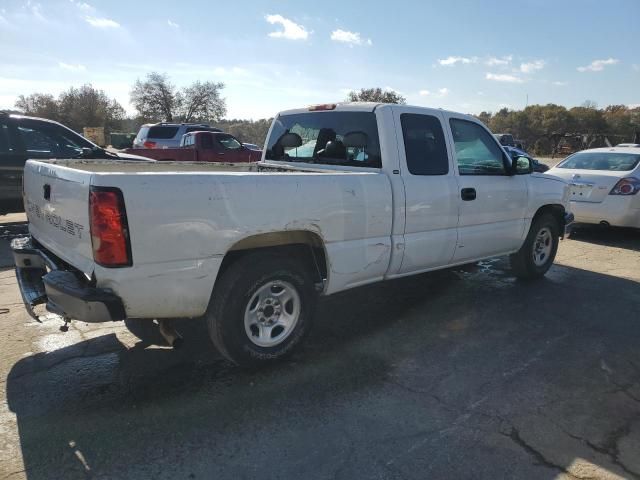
(261, 309)
(538, 252)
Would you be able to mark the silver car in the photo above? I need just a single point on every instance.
(167, 135)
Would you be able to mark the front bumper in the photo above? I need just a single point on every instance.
(43, 278)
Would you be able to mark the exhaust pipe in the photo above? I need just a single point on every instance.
(170, 334)
(604, 223)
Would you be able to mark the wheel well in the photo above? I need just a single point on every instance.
(303, 245)
(557, 211)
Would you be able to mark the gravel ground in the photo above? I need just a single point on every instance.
(465, 373)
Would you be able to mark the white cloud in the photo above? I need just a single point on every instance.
(352, 38)
(71, 67)
(173, 24)
(451, 61)
(290, 30)
(85, 7)
(636, 67)
(498, 77)
(391, 89)
(634, 105)
(560, 84)
(499, 62)
(36, 10)
(101, 22)
(441, 92)
(598, 65)
(532, 66)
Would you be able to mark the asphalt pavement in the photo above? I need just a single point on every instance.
(465, 373)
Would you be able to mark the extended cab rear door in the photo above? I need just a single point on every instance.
(431, 190)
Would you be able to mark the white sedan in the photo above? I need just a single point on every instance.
(604, 185)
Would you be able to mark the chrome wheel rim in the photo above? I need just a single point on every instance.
(272, 313)
(542, 246)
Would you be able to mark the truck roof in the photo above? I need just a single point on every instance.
(359, 107)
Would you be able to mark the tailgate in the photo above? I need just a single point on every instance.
(57, 205)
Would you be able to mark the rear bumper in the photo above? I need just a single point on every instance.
(43, 279)
(615, 211)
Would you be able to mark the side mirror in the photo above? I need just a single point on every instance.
(522, 165)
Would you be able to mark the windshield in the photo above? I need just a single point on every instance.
(50, 140)
(331, 138)
(607, 161)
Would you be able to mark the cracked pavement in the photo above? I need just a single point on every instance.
(464, 373)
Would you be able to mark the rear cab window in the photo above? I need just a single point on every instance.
(326, 138)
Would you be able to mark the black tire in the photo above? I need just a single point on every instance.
(522, 263)
(230, 301)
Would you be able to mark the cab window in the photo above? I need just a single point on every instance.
(477, 152)
(229, 142)
(424, 144)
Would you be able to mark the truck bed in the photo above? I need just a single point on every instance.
(184, 217)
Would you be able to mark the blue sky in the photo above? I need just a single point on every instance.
(461, 55)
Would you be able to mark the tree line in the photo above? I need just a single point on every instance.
(155, 98)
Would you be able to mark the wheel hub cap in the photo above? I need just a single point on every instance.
(542, 247)
(272, 313)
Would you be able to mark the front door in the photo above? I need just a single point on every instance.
(230, 150)
(431, 202)
(492, 202)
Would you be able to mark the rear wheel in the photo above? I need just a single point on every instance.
(536, 255)
(261, 309)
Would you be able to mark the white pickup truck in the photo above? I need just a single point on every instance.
(344, 195)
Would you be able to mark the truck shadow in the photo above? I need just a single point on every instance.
(410, 365)
(627, 238)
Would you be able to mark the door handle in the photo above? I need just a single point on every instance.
(468, 194)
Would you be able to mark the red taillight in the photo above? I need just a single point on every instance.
(149, 144)
(626, 186)
(109, 230)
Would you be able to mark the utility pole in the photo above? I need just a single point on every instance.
(527, 104)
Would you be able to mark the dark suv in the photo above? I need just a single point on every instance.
(167, 135)
(23, 137)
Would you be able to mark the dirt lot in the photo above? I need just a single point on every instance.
(458, 374)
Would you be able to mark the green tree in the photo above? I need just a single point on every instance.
(88, 107)
(76, 108)
(39, 105)
(157, 99)
(377, 95)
